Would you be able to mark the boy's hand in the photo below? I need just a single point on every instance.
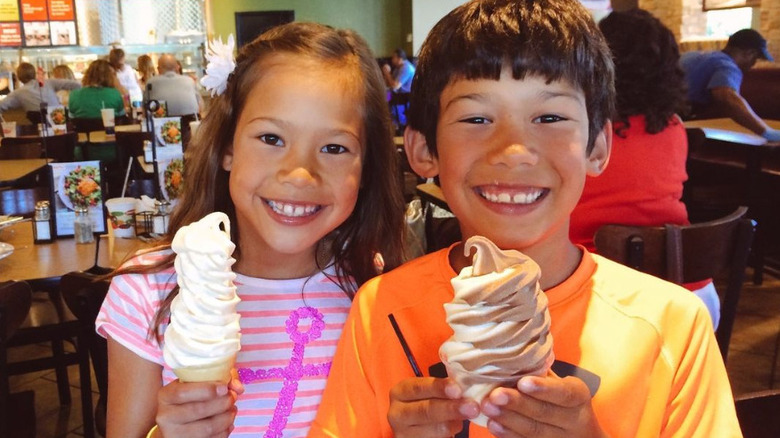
(542, 407)
(428, 407)
(197, 409)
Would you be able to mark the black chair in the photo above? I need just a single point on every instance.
(86, 125)
(48, 322)
(84, 293)
(131, 145)
(688, 254)
(759, 414)
(15, 301)
(60, 147)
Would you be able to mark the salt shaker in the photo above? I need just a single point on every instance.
(161, 217)
(42, 225)
(82, 226)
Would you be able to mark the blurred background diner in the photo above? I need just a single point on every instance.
(665, 170)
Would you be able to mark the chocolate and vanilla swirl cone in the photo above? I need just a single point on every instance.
(498, 315)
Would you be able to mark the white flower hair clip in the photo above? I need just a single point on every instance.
(221, 64)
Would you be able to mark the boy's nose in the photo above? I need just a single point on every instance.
(513, 154)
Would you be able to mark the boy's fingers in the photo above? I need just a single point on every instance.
(436, 415)
(567, 392)
(421, 388)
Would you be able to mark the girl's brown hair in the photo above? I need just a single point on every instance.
(62, 71)
(99, 74)
(376, 224)
(146, 68)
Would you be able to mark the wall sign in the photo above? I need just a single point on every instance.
(37, 23)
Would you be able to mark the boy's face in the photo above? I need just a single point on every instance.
(512, 157)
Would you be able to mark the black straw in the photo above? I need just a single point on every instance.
(405, 346)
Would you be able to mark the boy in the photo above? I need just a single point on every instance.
(510, 108)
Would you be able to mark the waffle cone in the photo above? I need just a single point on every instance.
(216, 372)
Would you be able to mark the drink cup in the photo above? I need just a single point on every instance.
(9, 129)
(121, 213)
(108, 120)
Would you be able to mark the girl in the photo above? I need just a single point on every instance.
(298, 151)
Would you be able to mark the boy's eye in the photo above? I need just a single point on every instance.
(271, 139)
(549, 118)
(333, 149)
(476, 120)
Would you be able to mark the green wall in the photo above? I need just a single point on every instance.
(383, 23)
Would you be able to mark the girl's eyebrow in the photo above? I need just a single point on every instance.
(284, 124)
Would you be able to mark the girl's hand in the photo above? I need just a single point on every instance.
(542, 407)
(197, 410)
(428, 407)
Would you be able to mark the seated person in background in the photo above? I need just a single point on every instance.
(62, 71)
(179, 92)
(99, 92)
(714, 80)
(145, 69)
(28, 96)
(643, 183)
(398, 77)
(511, 109)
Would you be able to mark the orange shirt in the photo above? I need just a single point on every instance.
(651, 342)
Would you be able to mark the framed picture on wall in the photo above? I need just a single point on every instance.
(709, 5)
(250, 25)
(76, 184)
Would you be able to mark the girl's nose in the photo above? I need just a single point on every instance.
(298, 171)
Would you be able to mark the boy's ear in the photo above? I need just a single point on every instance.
(420, 158)
(227, 159)
(602, 147)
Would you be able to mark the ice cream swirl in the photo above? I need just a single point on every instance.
(498, 314)
(204, 324)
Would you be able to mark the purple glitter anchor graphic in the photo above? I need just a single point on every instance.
(294, 371)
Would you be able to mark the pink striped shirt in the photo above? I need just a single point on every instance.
(289, 331)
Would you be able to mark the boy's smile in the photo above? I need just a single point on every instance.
(512, 159)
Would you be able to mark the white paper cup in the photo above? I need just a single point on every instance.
(9, 129)
(121, 214)
(108, 119)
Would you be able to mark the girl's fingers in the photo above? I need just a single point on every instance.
(178, 393)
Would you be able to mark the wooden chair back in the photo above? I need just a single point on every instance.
(59, 147)
(759, 414)
(15, 301)
(687, 254)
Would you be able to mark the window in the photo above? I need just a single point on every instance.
(724, 22)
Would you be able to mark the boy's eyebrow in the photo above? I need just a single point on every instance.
(469, 96)
(547, 94)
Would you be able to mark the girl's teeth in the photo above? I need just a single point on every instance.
(292, 210)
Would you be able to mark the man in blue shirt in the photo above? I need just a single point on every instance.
(398, 77)
(714, 80)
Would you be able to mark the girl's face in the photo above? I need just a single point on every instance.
(295, 163)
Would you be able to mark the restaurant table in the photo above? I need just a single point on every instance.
(740, 143)
(431, 193)
(11, 171)
(43, 264)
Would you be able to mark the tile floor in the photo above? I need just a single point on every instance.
(752, 363)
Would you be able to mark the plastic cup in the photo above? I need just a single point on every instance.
(9, 129)
(108, 120)
(121, 213)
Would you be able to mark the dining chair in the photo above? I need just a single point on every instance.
(46, 323)
(757, 413)
(688, 254)
(84, 293)
(21, 202)
(59, 147)
(15, 301)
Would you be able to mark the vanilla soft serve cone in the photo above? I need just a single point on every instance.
(203, 337)
(500, 322)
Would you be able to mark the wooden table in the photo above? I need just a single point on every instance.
(431, 193)
(102, 137)
(47, 262)
(11, 171)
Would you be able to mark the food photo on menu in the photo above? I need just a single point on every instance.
(76, 184)
(37, 33)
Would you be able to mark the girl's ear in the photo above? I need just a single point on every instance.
(602, 147)
(420, 157)
(227, 159)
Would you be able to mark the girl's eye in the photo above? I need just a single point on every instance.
(476, 120)
(549, 118)
(271, 139)
(333, 149)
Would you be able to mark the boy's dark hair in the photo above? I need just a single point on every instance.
(648, 79)
(26, 72)
(556, 39)
(400, 53)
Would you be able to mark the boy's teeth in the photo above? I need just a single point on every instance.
(517, 198)
(292, 210)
